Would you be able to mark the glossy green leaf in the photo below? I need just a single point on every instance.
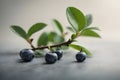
(89, 33)
(43, 39)
(35, 28)
(76, 18)
(19, 31)
(71, 29)
(51, 36)
(78, 47)
(88, 19)
(58, 25)
(58, 39)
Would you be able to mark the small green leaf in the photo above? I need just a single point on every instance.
(73, 36)
(89, 33)
(58, 39)
(35, 28)
(51, 36)
(92, 28)
(43, 39)
(88, 19)
(71, 29)
(58, 25)
(19, 31)
(76, 18)
(78, 47)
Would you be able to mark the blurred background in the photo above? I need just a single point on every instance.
(25, 13)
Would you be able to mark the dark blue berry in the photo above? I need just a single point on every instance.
(27, 55)
(51, 58)
(59, 54)
(80, 57)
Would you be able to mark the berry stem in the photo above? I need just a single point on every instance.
(56, 45)
(81, 50)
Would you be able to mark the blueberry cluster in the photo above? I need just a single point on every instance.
(50, 57)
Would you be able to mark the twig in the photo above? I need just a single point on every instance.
(57, 45)
(30, 42)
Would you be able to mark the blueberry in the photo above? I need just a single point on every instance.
(51, 58)
(59, 54)
(80, 57)
(27, 55)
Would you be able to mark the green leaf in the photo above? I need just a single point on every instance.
(78, 47)
(58, 39)
(76, 18)
(35, 28)
(92, 28)
(88, 19)
(73, 36)
(51, 36)
(89, 33)
(19, 31)
(43, 39)
(58, 25)
(55, 38)
(71, 29)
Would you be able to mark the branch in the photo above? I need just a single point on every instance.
(30, 42)
(57, 45)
